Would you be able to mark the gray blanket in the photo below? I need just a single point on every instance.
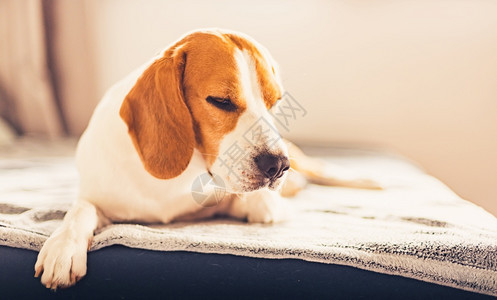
(416, 227)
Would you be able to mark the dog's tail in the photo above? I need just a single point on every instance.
(319, 172)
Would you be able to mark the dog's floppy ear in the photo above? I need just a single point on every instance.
(159, 122)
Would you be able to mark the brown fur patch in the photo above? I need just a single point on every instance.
(211, 70)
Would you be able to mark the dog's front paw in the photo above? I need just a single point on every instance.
(62, 260)
(267, 207)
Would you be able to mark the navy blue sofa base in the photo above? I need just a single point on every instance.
(119, 272)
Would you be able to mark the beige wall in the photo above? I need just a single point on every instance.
(416, 76)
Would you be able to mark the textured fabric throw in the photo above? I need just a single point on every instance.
(416, 227)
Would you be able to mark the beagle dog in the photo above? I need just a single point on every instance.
(172, 121)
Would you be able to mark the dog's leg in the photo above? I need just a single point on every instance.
(261, 206)
(293, 184)
(62, 258)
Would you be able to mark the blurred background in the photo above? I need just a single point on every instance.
(416, 77)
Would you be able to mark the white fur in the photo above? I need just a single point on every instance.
(116, 187)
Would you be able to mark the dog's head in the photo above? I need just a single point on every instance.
(211, 91)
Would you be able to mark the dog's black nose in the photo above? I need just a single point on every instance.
(272, 166)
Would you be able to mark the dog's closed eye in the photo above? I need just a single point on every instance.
(222, 103)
